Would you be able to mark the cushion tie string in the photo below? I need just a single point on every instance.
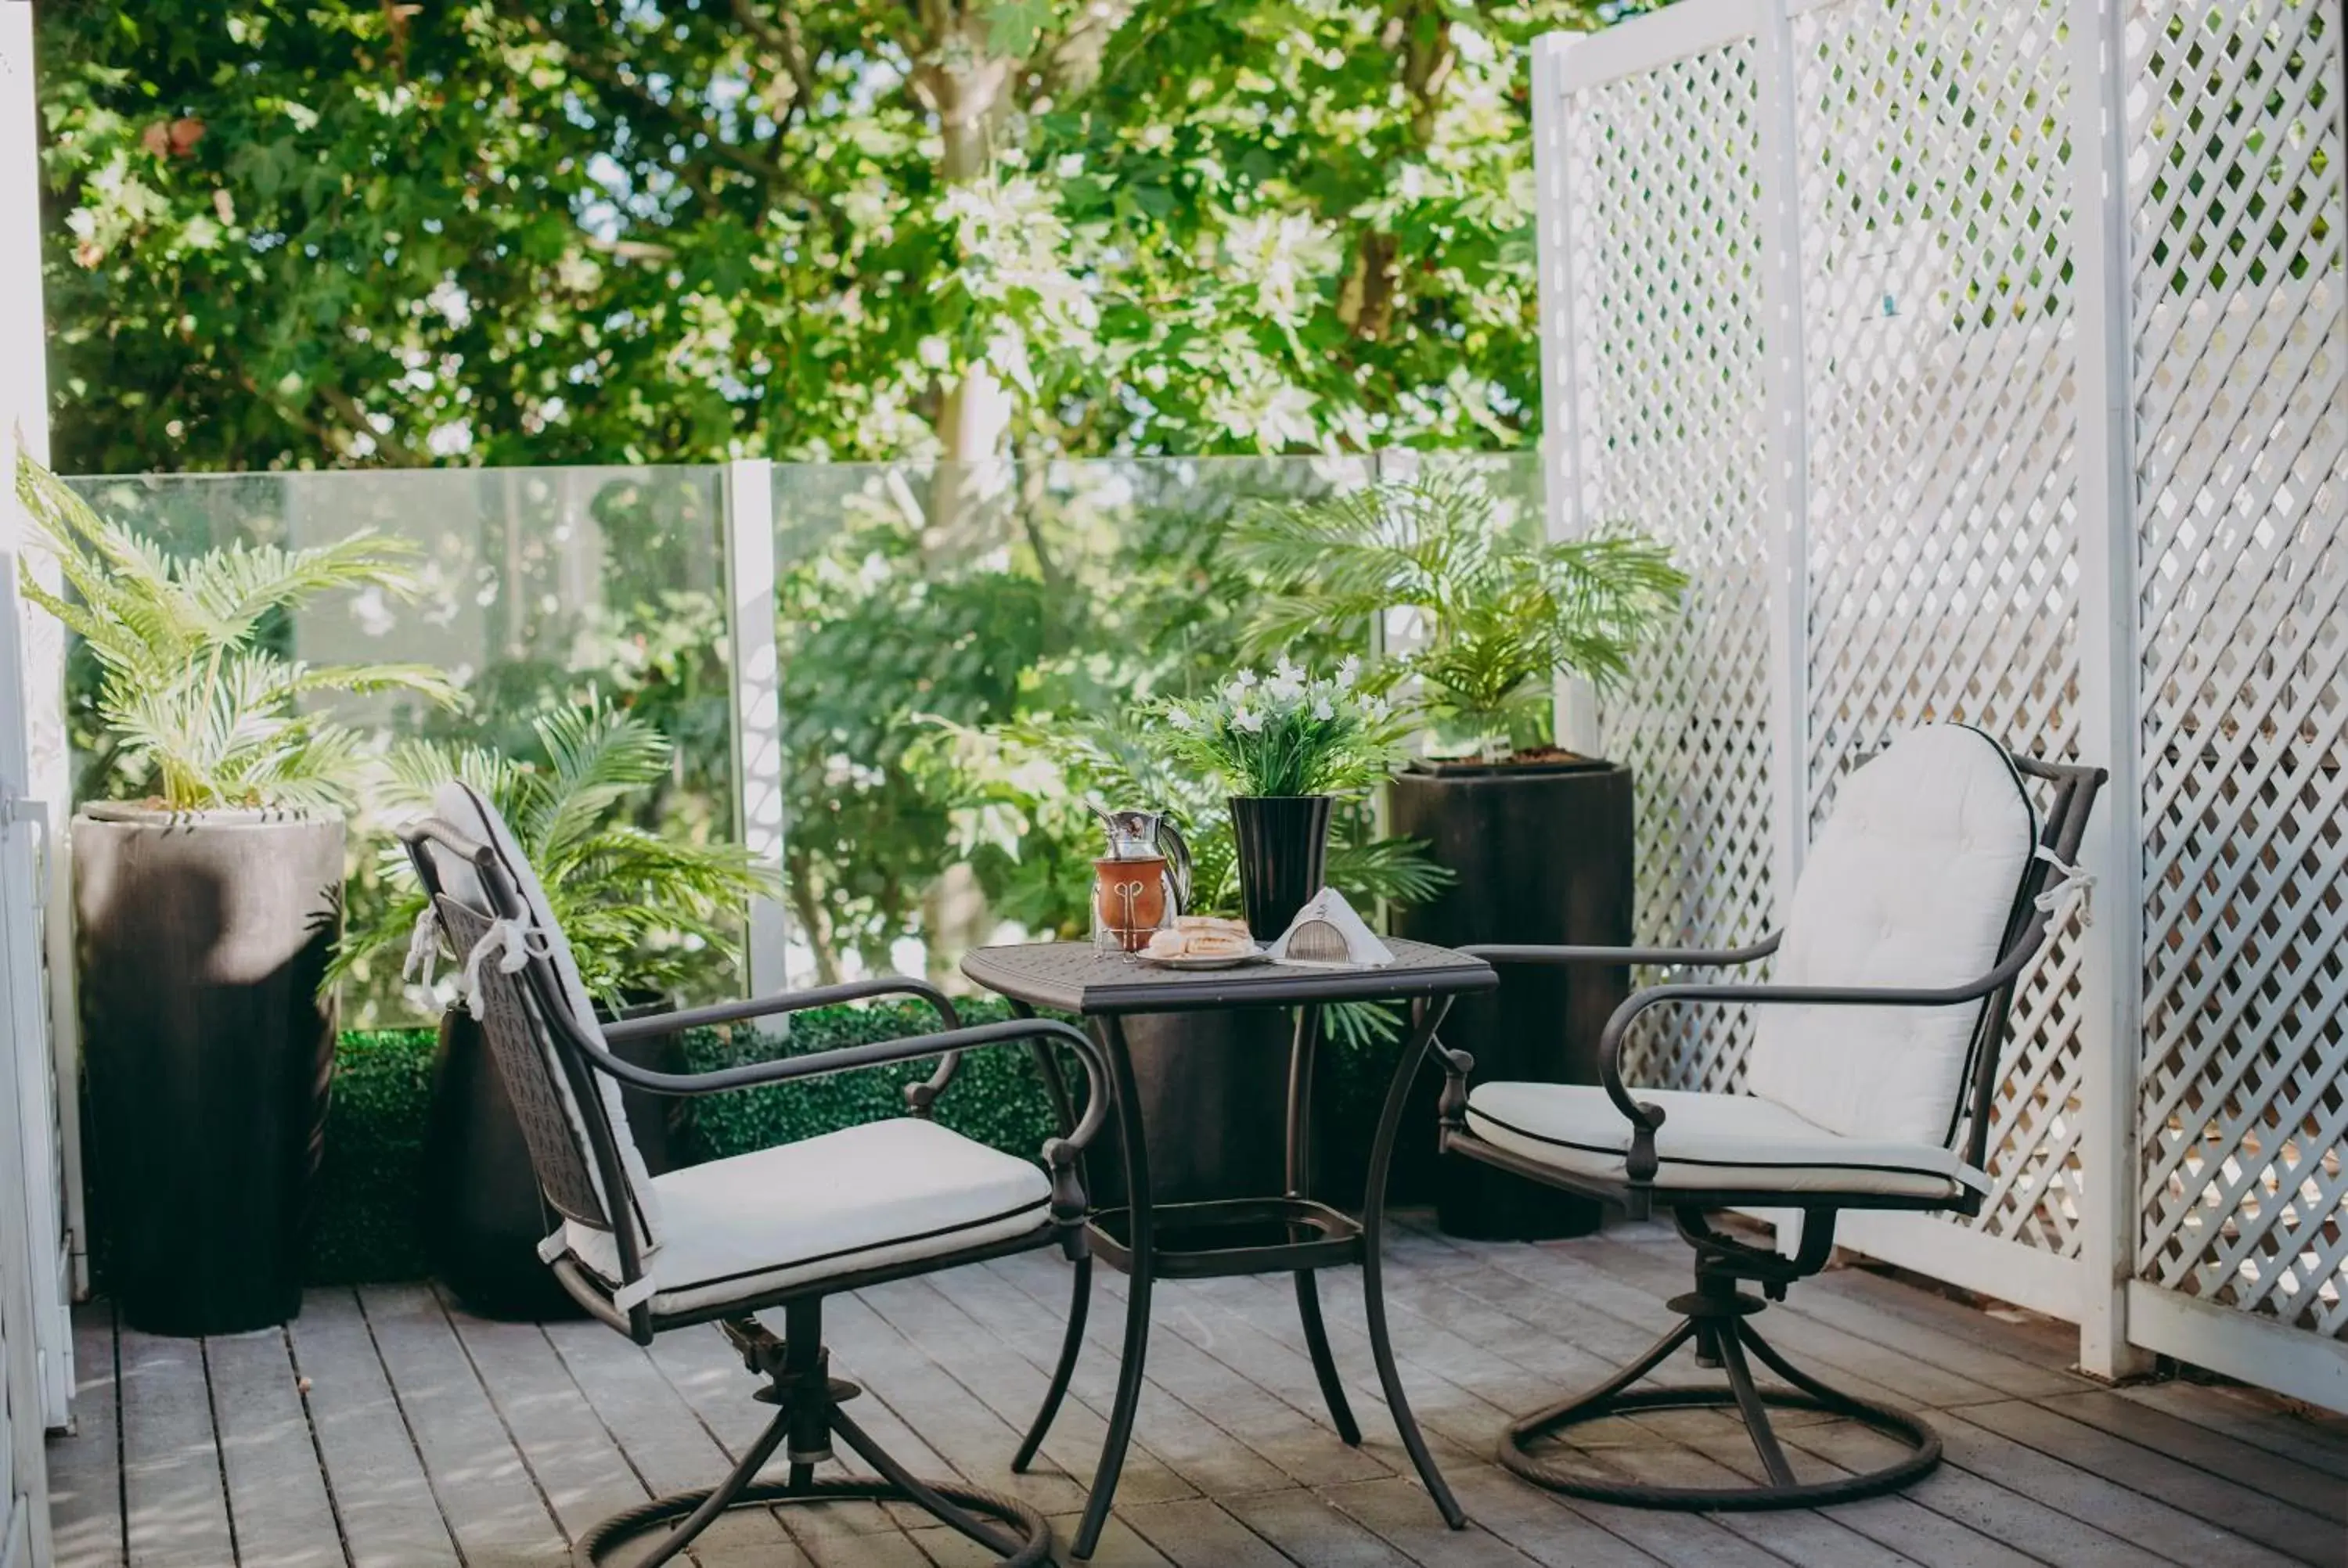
(423, 948)
(507, 941)
(2068, 892)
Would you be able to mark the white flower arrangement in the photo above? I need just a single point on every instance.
(1288, 733)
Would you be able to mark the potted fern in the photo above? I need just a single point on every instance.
(1539, 840)
(643, 912)
(206, 901)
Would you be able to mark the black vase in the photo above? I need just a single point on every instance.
(1283, 842)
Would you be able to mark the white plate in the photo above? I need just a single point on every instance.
(1235, 961)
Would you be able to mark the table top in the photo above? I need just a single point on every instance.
(1072, 976)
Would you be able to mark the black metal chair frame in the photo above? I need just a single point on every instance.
(1716, 1316)
(796, 1366)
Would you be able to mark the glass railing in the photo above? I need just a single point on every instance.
(963, 653)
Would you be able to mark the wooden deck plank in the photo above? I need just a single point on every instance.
(665, 1443)
(1309, 1530)
(423, 1429)
(85, 1469)
(175, 1501)
(2320, 1441)
(1461, 1420)
(277, 1494)
(1290, 1439)
(1191, 1445)
(2260, 1469)
(2267, 1519)
(581, 1472)
(2149, 1524)
(1959, 1494)
(373, 1472)
(487, 1494)
(1198, 1532)
(1012, 1387)
(953, 1421)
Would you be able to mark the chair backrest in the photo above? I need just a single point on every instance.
(572, 1114)
(1920, 879)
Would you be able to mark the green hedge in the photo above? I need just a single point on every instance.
(363, 1226)
(366, 1218)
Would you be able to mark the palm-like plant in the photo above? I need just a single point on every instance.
(637, 908)
(1503, 616)
(200, 705)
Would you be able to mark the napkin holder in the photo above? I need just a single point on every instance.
(1328, 934)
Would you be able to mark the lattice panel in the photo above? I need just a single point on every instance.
(2235, 173)
(1662, 285)
(1936, 314)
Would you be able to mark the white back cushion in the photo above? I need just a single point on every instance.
(469, 811)
(1910, 884)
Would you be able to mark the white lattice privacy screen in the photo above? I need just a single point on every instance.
(1984, 362)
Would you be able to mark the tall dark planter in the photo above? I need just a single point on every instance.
(203, 938)
(1213, 1090)
(1542, 853)
(482, 1217)
(1283, 842)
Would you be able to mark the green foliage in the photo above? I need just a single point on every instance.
(1291, 734)
(635, 906)
(291, 234)
(997, 1095)
(371, 1175)
(201, 708)
(1503, 616)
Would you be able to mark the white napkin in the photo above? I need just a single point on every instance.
(1328, 906)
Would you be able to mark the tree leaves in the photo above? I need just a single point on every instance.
(680, 233)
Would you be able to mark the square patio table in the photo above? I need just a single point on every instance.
(1290, 1232)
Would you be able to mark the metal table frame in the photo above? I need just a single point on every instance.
(1101, 989)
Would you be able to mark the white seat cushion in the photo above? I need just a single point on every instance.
(863, 1197)
(1710, 1143)
(1909, 885)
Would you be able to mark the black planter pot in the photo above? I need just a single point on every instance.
(1543, 855)
(1213, 1090)
(1283, 842)
(481, 1216)
(203, 938)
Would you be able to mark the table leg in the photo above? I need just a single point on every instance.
(1424, 1018)
(1300, 1181)
(1072, 1342)
(1141, 1244)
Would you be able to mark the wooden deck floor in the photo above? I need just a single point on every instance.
(385, 1428)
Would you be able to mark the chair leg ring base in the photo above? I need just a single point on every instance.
(1034, 1533)
(1921, 1439)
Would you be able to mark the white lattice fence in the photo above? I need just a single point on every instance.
(1816, 286)
(2235, 218)
(1666, 425)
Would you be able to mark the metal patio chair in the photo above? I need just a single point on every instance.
(1921, 903)
(782, 1227)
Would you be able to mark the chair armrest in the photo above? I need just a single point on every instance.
(1641, 1164)
(645, 1026)
(919, 1097)
(1497, 953)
